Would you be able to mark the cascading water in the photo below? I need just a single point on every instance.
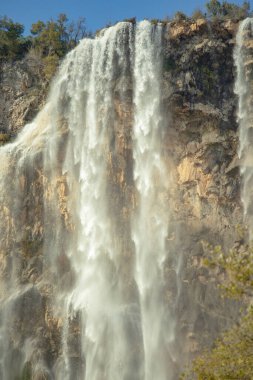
(150, 225)
(100, 290)
(244, 90)
(96, 171)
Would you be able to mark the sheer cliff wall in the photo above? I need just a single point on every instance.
(201, 144)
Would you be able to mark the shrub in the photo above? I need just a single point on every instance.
(131, 20)
(154, 21)
(198, 14)
(226, 10)
(231, 357)
(4, 138)
(51, 63)
(180, 16)
(52, 40)
(12, 43)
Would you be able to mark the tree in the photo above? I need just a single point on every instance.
(231, 357)
(58, 37)
(234, 11)
(213, 8)
(48, 38)
(54, 39)
(223, 10)
(237, 265)
(180, 16)
(12, 43)
(75, 32)
(38, 28)
(198, 14)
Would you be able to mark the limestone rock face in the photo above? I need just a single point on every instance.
(184, 28)
(23, 90)
(201, 142)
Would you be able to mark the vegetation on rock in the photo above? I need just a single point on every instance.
(4, 138)
(12, 43)
(50, 41)
(227, 10)
(231, 356)
(216, 10)
(54, 38)
(58, 37)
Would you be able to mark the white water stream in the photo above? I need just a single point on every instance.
(244, 90)
(105, 212)
(150, 224)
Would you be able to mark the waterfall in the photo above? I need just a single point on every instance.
(243, 88)
(150, 225)
(86, 218)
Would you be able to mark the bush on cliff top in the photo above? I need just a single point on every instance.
(54, 39)
(50, 40)
(12, 43)
(216, 10)
(226, 10)
(58, 37)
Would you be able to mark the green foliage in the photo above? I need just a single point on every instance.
(231, 357)
(154, 21)
(38, 28)
(49, 41)
(226, 10)
(198, 14)
(55, 38)
(208, 77)
(218, 10)
(26, 373)
(4, 138)
(12, 43)
(237, 264)
(213, 8)
(49, 38)
(51, 63)
(169, 64)
(180, 16)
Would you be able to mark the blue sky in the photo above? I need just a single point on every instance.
(98, 13)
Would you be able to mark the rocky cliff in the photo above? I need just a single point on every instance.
(201, 144)
(199, 79)
(23, 91)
